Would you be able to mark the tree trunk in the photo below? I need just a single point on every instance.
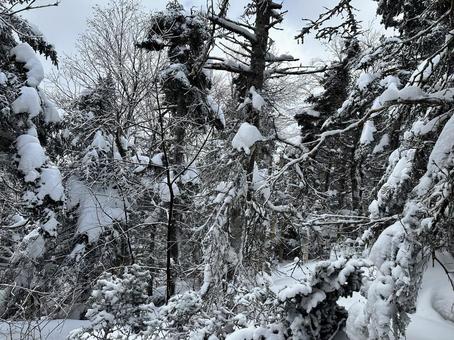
(259, 48)
(174, 213)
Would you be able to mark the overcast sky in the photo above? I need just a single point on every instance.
(63, 24)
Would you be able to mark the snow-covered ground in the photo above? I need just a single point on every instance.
(42, 330)
(289, 274)
(436, 298)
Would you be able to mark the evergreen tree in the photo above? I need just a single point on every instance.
(32, 191)
(185, 84)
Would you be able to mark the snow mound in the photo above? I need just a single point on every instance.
(25, 54)
(257, 100)
(27, 102)
(443, 304)
(3, 78)
(39, 329)
(364, 80)
(32, 156)
(50, 184)
(246, 137)
(164, 191)
(51, 113)
(98, 208)
(252, 333)
(367, 135)
(434, 307)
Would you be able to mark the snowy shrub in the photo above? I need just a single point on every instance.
(119, 304)
(304, 310)
(181, 307)
(311, 308)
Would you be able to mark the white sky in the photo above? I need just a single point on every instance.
(63, 24)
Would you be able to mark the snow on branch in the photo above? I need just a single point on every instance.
(281, 58)
(233, 27)
(246, 137)
(300, 70)
(26, 55)
(414, 95)
(407, 96)
(229, 66)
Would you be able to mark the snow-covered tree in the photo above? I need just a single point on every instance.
(185, 84)
(119, 305)
(401, 102)
(107, 48)
(242, 199)
(32, 190)
(144, 210)
(415, 191)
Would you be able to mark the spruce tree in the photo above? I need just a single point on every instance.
(32, 191)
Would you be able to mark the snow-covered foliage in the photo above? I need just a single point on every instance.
(184, 34)
(312, 310)
(28, 102)
(246, 137)
(98, 208)
(32, 190)
(367, 135)
(119, 305)
(23, 53)
(162, 198)
(301, 310)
